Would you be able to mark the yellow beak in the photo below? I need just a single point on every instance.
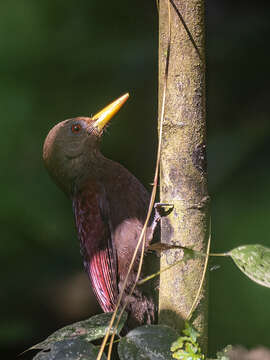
(104, 116)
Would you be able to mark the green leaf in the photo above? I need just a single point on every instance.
(254, 262)
(192, 349)
(190, 331)
(149, 342)
(91, 329)
(179, 343)
(72, 349)
(184, 355)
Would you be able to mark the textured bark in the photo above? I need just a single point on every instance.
(183, 180)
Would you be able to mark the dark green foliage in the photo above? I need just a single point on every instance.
(87, 330)
(73, 349)
(149, 342)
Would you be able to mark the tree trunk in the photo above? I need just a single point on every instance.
(183, 180)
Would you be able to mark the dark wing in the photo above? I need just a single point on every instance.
(91, 211)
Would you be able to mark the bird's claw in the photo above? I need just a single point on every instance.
(162, 209)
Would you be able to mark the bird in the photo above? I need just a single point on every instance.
(110, 207)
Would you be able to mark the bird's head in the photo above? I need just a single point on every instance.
(71, 149)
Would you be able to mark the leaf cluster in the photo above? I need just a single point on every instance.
(186, 347)
(75, 341)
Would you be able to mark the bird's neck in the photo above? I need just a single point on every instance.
(94, 170)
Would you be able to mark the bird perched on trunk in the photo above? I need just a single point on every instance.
(110, 207)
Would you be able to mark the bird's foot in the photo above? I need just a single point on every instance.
(161, 210)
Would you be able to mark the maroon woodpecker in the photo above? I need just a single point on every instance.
(109, 205)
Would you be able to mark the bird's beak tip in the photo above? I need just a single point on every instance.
(104, 116)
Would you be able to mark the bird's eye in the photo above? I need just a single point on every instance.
(75, 128)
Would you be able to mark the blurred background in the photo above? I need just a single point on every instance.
(60, 59)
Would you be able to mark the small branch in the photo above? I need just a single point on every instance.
(219, 254)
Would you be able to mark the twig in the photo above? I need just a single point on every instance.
(143, 232)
